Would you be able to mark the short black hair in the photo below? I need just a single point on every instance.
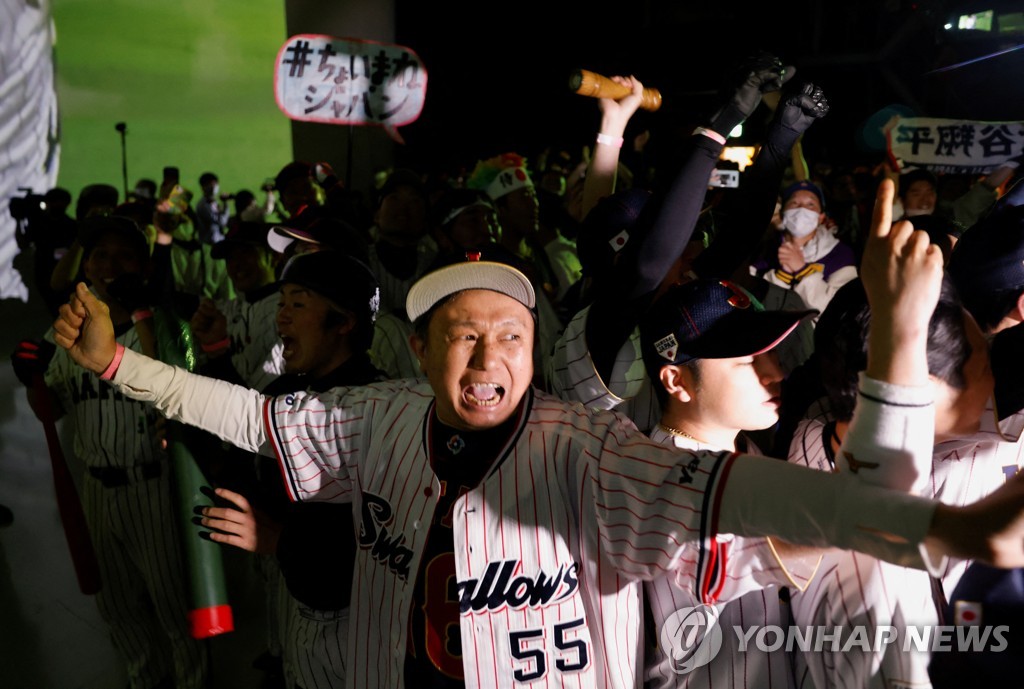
(207, 177)
(841, 342)
(917, 175)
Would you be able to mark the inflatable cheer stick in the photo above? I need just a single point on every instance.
(209, 613)
(596, 86)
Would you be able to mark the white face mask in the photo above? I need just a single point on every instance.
(912, 212)
(800, 221)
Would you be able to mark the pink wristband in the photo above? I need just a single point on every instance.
(141, 315)
(216, 346)
(609, 140)
(711, 134)
(110, 370)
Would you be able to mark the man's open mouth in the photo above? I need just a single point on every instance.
(484, 394)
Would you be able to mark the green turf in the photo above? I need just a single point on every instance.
(192, 79)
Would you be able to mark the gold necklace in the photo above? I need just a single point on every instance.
(681, 434)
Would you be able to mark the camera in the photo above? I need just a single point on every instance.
(26, 207)
(730, 179)
(268, 185)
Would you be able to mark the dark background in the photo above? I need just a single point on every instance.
(498, 72)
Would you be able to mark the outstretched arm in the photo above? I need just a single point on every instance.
(232, 413)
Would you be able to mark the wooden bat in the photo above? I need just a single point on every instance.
(69, 505)
(594, 85)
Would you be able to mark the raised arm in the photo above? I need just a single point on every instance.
(742, 224)
(604, 165)
(644, 265)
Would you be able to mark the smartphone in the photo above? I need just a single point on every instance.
(729, 179)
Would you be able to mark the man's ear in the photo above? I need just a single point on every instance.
(678, 382)
(419, 348)
(348, 324)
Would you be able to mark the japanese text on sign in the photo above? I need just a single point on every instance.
(348, 81)
(959, 146)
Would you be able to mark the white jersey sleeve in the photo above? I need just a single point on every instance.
(571, 375)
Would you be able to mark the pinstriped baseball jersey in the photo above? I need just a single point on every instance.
(112, 430)
(133, 526)
(572, 377)
(857, 590)
(749, 597)
(853, 589)
(963, 471)
(547, 548)
(390, 351)
(256, 350)
(393, 289)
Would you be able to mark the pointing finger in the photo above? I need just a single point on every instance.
(881, 218)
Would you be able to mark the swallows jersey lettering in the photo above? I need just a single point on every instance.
(499, 587)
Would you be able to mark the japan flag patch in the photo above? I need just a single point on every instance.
(967, 613)
(667, 347)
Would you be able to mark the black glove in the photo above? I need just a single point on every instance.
(131, 292)
(759, 74)
(801, 108)
(31, 358)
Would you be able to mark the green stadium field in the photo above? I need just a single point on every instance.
(193, 81)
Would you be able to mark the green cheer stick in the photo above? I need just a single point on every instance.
(209, 611)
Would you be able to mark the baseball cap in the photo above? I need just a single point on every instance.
(315, 227)
(985, 597)
(345, 280)
(297, 169)
(454, 201)
(1008, 370)
(710, 319)
(401, 177)
(470, 271)
(609, 226)
(91, 229)
(803, 185)
(990, 256)
(242, 234)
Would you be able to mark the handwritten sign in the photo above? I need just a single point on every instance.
(958, 146)
(349, 81)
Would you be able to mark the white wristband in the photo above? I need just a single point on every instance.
(710, 133)
(609, 140)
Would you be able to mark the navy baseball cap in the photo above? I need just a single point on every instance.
(990, 255)
(987, 598)
(710, 319)
(609, 227)
(1008, 370)
(345, 280)
(803, 185)
(241, 234)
